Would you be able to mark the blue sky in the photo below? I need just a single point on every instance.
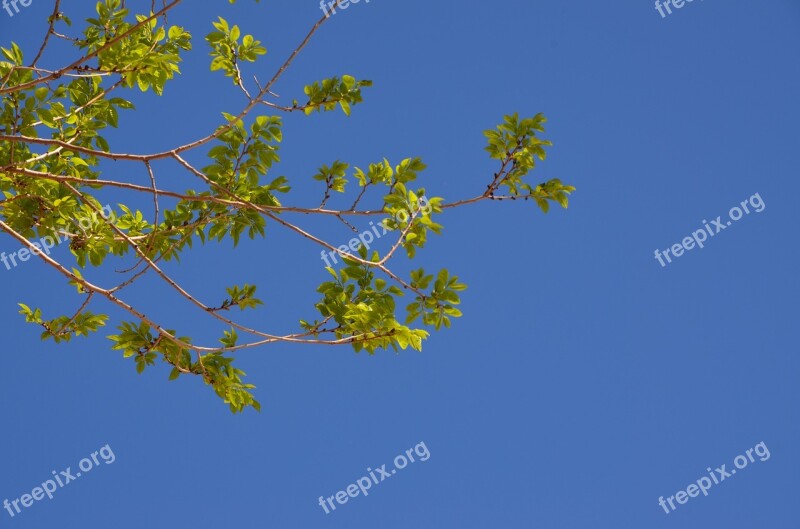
(584, 380)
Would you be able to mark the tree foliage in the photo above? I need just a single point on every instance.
(52, 146)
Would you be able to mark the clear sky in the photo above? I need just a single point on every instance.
(584, 381)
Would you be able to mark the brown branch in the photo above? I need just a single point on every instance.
(53, 19)
(92, 55)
